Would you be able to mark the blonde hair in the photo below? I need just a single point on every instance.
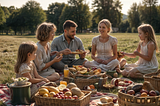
(107, 23)
(24, 49)
(146, 28)
(43, 31)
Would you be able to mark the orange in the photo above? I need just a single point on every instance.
(92, 86)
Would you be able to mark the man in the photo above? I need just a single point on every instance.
(66, 44)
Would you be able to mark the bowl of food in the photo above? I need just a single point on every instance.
(21, 81)
(109, 86)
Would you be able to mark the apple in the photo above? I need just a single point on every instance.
(65, 90)
(143, 90)
(59, 97)
(63, 97)
(114, 99)
(152, 93)
(75, 97)
(131, 92)
(66, 97)
(69, 97)
(94, 68)
(60, 93)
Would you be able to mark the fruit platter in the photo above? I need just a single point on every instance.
(121, 82)
(81, 71)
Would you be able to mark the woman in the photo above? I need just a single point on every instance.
(45, 33)
(106, 47)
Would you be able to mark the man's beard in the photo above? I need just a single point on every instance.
(70, 37)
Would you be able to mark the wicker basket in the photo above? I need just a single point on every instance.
(154, 81)
(48, 101)
(82, 82)
(130, 100)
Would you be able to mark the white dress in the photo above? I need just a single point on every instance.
(30, 68)
(142, 65)
(104, 52)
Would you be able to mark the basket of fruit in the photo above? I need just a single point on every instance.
(154, 79)
(62, 95)
(139, 95)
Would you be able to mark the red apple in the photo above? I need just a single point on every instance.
(60, 93)
(131, 92)
(114, 99)
(59, 97)
(152, 93)
(75, 97)
(63, 97)
(65, 90)
(143, 90)
(66, 97)
(70, 97)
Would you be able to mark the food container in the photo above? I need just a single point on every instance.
(21, 81)
(20, 95)
(154, 79)
(131, 100)
(50, 101)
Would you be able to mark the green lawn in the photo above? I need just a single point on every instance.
(127, 42)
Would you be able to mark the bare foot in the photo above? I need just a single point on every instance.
(124, 73)
(118, 70)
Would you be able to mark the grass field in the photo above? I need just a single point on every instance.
(127, 42)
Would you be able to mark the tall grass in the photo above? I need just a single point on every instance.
(9, 45)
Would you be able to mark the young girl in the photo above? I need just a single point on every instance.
(25, 66)
(106, 47)
(146, 51)
(45, 33)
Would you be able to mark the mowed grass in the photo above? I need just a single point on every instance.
(9, 45)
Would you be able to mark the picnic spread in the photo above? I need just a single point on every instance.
(85, 87)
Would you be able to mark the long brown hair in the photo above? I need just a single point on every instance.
(146, 28)
(24, 49)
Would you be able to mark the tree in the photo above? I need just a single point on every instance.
(151, 16)
(7, 14)
(133, 16)
(77, 11)
(33, 15)
(53, 13)
(108, 9)
(2, 19)
(14, 21)
(123, 26)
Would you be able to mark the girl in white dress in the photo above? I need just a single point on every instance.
(106, 47)
(25, 66)
(146, 51)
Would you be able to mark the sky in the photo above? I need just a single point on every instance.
(45, 3)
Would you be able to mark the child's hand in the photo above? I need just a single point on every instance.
(58, 58)
(136, 53)
(45, 80)
(53, 53)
